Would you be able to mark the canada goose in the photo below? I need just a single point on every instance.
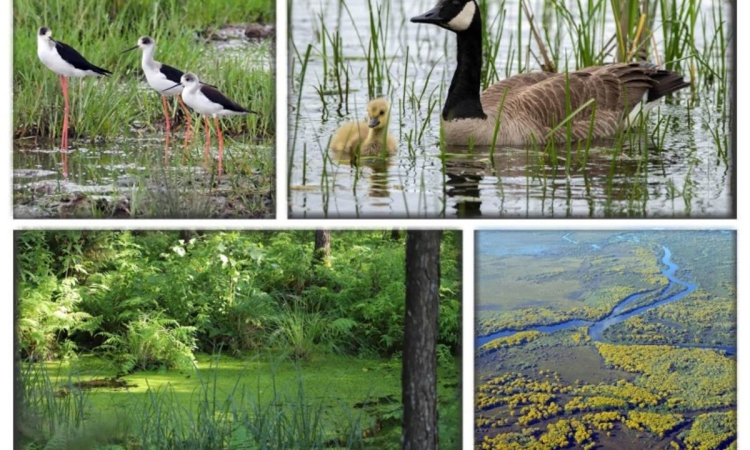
(535, 102)
(356, 134)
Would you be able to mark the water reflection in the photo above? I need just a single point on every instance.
(544, 177)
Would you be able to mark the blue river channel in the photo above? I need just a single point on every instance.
(675, 291)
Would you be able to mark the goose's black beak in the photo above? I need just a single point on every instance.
(130, 50)
(433, 16)
(170, 88)
(374, 122)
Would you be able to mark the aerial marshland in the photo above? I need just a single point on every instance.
(606, 340)
(218, 341)
(675, 161)
(122, 160)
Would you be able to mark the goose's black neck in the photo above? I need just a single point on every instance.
(464, 94)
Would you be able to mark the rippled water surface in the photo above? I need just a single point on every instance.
(687, 176)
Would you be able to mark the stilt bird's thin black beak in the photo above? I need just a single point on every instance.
(130, 49)
(170, 88)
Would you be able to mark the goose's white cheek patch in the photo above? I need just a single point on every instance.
(463, 20)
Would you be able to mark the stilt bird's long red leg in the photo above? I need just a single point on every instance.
(189, 118)
(66, 124)
(208, 139)
(221, 144)
(169, 127)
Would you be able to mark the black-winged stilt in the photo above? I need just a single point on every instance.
(162, 78)
(208, 101)
(65, 61)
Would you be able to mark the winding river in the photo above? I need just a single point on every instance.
(676, 290)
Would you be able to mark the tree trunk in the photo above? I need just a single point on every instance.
(419, 378)
(322, 254)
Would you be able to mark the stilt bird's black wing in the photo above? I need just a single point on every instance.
(171, 73)
(75, 59)
(215, 96)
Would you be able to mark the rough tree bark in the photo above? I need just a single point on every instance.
(419, 378)
(322, 253)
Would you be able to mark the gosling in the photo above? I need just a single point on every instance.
(352, 135)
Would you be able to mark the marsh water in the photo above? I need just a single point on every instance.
(686, 176)
(128, 177)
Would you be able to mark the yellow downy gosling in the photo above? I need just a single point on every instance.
(356, 134)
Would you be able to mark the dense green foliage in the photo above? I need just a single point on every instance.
(151, 298)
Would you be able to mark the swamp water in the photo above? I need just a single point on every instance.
(332, 393)
(679, 171)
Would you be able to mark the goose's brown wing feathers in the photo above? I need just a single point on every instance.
(539, 99)
(515, 85)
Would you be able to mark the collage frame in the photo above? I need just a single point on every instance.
(739, 224)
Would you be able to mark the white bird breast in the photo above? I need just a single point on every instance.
(159, 82)
(197, 101)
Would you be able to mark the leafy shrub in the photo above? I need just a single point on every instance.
(236, 291)
(241, 324)
(47, 313)
(303, 334)
(152, 343)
